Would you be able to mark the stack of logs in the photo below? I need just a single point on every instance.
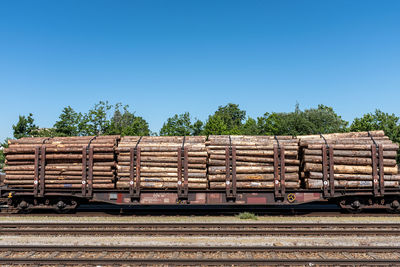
(63, 161)
(159, 161)
(254, 160)
(352, 159)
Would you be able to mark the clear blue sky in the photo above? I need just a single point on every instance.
(167, 57)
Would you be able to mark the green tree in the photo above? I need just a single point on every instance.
(379, 120)
(226, 120)
(181, 125)
(197, 127)
(96, 121)
(25, 126)
(250, 127)
(322, 119)
(2, 156)
(68, 123)
(126, 123)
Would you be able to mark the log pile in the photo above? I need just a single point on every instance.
(63, 161)
(254, 160)
(352, 159)
(159, 161)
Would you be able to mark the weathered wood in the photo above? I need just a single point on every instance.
(241, 162)
(344, 135)
(349, 161)
(219, 185)
(349, 169)
(354, 147)
(311, 183)
(162, 185)
(248, 170)
(255, 152)
(254, 177)
(59, 156)
(351, 153)
(354, 177)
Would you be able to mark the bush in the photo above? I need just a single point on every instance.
(247, 216)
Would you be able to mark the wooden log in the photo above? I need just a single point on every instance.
(258, 185)
(311, 183)
(169, 154)
(164, 159)
(344, 135)
(168, 179)
(349, 169)
(57, 149)
(255, 147)
(248, 170)
(306, 143)
(55, 168)
(349, 160)
(54, 177)
(351, 153)
(162, 185)
(19, 182)
(355, 147)
(169, 174)
(74, 186)
(59, 156)
(354, 177)
(215, 162)
(249, 158)
(254, 152)
(161, 148)
(255, 177)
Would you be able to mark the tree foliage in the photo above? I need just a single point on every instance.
(322, 119)
(2, 156)
(378, 120)
(96, 121)
(69, 123)
(226, 120)
(126, 123)
(25, 127)
(181, 125)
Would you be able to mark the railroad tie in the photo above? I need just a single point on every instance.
(372, 255)
(102, 255)
(54, 254)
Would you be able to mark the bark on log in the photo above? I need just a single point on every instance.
(349, 169)
(311, 183)
(248, 170)
(259, 185)
(349, 160)
(351, 153)
(354, 177)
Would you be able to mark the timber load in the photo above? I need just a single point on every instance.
(253, 161)
(162, 162)
(61, 162)
(354, 160)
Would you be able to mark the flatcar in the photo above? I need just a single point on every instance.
(353, 170)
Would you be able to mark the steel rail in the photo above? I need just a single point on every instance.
(197, 225)
(24, 228)
(194, 261)
(46, 261)
(297, 232)
(336, 249)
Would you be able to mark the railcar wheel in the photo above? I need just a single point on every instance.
(352, 205)
(63, 206)
(23, 207)
(393, 207)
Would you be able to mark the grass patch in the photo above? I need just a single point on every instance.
(247, 216)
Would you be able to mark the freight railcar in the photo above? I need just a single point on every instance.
(353, 170)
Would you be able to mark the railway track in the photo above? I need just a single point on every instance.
(259, 255)
(199, 229)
